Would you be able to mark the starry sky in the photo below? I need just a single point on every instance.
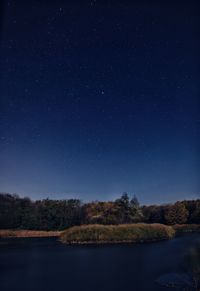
(100, 97)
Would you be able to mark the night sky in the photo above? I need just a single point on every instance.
(100, 97)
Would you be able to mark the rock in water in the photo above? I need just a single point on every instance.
(176, 280)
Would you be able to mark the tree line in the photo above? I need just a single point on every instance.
(47, 214)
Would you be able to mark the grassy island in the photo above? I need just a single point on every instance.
(125, 233)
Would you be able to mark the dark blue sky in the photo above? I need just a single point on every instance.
(100, 97)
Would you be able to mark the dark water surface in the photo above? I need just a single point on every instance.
(46, 264)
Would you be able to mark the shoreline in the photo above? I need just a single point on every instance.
(16, 233)
(6, 233)
(114, 242)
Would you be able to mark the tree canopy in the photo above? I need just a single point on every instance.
(47, 214)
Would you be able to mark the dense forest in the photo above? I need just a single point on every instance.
(23, 213)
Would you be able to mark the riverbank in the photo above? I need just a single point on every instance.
(97, 234)
(28, 233)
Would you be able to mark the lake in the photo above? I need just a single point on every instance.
(46, 264)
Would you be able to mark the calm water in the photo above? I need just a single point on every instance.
(46, 264)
